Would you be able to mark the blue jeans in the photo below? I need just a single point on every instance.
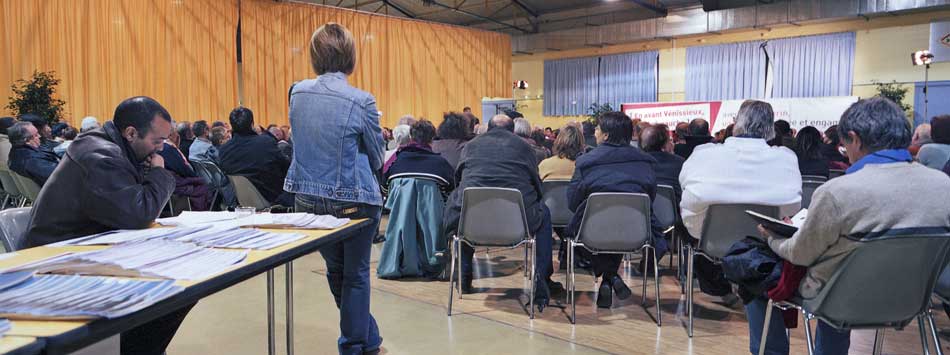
(543, 250)
(828, 340)
(348, 272)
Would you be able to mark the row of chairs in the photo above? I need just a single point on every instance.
(18, 190)
(906, 268)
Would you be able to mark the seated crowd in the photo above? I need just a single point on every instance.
(134, 163)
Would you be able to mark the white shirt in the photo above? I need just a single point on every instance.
(742, 170)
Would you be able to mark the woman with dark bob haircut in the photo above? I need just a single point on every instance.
(453, 133)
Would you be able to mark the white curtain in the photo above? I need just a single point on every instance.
(628, 78)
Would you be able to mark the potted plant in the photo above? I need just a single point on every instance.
(596, 110)
(36, 96)
(894, 92)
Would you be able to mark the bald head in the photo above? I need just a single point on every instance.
(501, 121)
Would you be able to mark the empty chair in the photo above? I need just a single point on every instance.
(29, 189)
(614, 223)
(13, 227)
(808, 189)
(508, 228)
(12, 192)
(247, 194)
(724, 225)
(885, 282)
(555, 198)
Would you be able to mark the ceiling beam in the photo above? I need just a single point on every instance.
(480, 17)
(659, 10)
(525, 7)
(360, 4)
(399, 8)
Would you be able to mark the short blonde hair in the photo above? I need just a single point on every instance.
(332, 49)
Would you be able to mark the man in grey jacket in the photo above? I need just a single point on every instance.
(883, 193)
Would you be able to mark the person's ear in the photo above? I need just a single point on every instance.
(855, 139)
(129, 133)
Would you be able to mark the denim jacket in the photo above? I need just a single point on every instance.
(338, 144)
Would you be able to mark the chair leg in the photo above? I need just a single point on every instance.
(765, 328)
(526, 262)
(809, 339)
(923, 334)
(643, 293)
(452, 279)
(878, 342)
(533, 277)
(6, 198)
(656, 285)
(933, 333)
(672, 239)
(689, 289)
(572, 285)
(458, 283)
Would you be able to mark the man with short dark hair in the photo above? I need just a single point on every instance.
(26, 157)
(201, 149)
(256, 157)
(499, 158)
(42, 126)
(655, 141)
(783, 135)
(69, 135)
(112, 178)
(187, 137)
(697, 134)
(614, 166)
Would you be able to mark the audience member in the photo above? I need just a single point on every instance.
(680, 133)
(567, 147)
(742, 170)
(400, 139)
(220, 124)
(589, 138)
(698, 134)
(614, 166)
(808, 149)
(255, 157)
(202, 150)
(219, 136)
(499, 158)
(282, 143)
(473, 124)
(831, 150)
(873, 197)
(467, 109)
(417, 156)
(638, 127)
(453, 133)
(935, 155)
(103, 185)
(187, 182)
(42, 127)
(26, 156)
(655, 141)
(921, 137)
(783, 135)
(407, 120)
(57, 131)
(339, 150)
(523, 130)
(186, 136)
(88, 123)
(5, 146)
(69, 134)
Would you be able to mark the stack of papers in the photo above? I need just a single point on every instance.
(150, 258)
(216, 237)
(275, 220)
(70, 296)
(132, 235)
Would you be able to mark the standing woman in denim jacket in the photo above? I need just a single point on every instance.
(338, 146)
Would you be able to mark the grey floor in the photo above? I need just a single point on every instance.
(234, 322)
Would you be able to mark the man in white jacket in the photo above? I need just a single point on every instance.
(742, 170)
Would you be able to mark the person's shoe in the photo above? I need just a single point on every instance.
(623, 292)
(467, 286)
(542, 295)
(604, 294)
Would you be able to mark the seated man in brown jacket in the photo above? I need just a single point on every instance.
(112, 178)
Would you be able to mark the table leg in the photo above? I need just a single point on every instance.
(271, 337)
(290, 308)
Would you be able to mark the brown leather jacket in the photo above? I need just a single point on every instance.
(98, 186)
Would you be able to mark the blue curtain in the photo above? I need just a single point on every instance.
(813, 65)
(627, 78)
(570, 86)
(725, 71)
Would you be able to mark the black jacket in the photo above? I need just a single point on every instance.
(99, 186)
(450, 149)
(668, 167)
(411, 159)
(35, 163)
(259, 159)
(686, 149)
(185, 146)
(753, 266)
(813, 166)
(175, 161)
(497, 158)
(610, 168)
